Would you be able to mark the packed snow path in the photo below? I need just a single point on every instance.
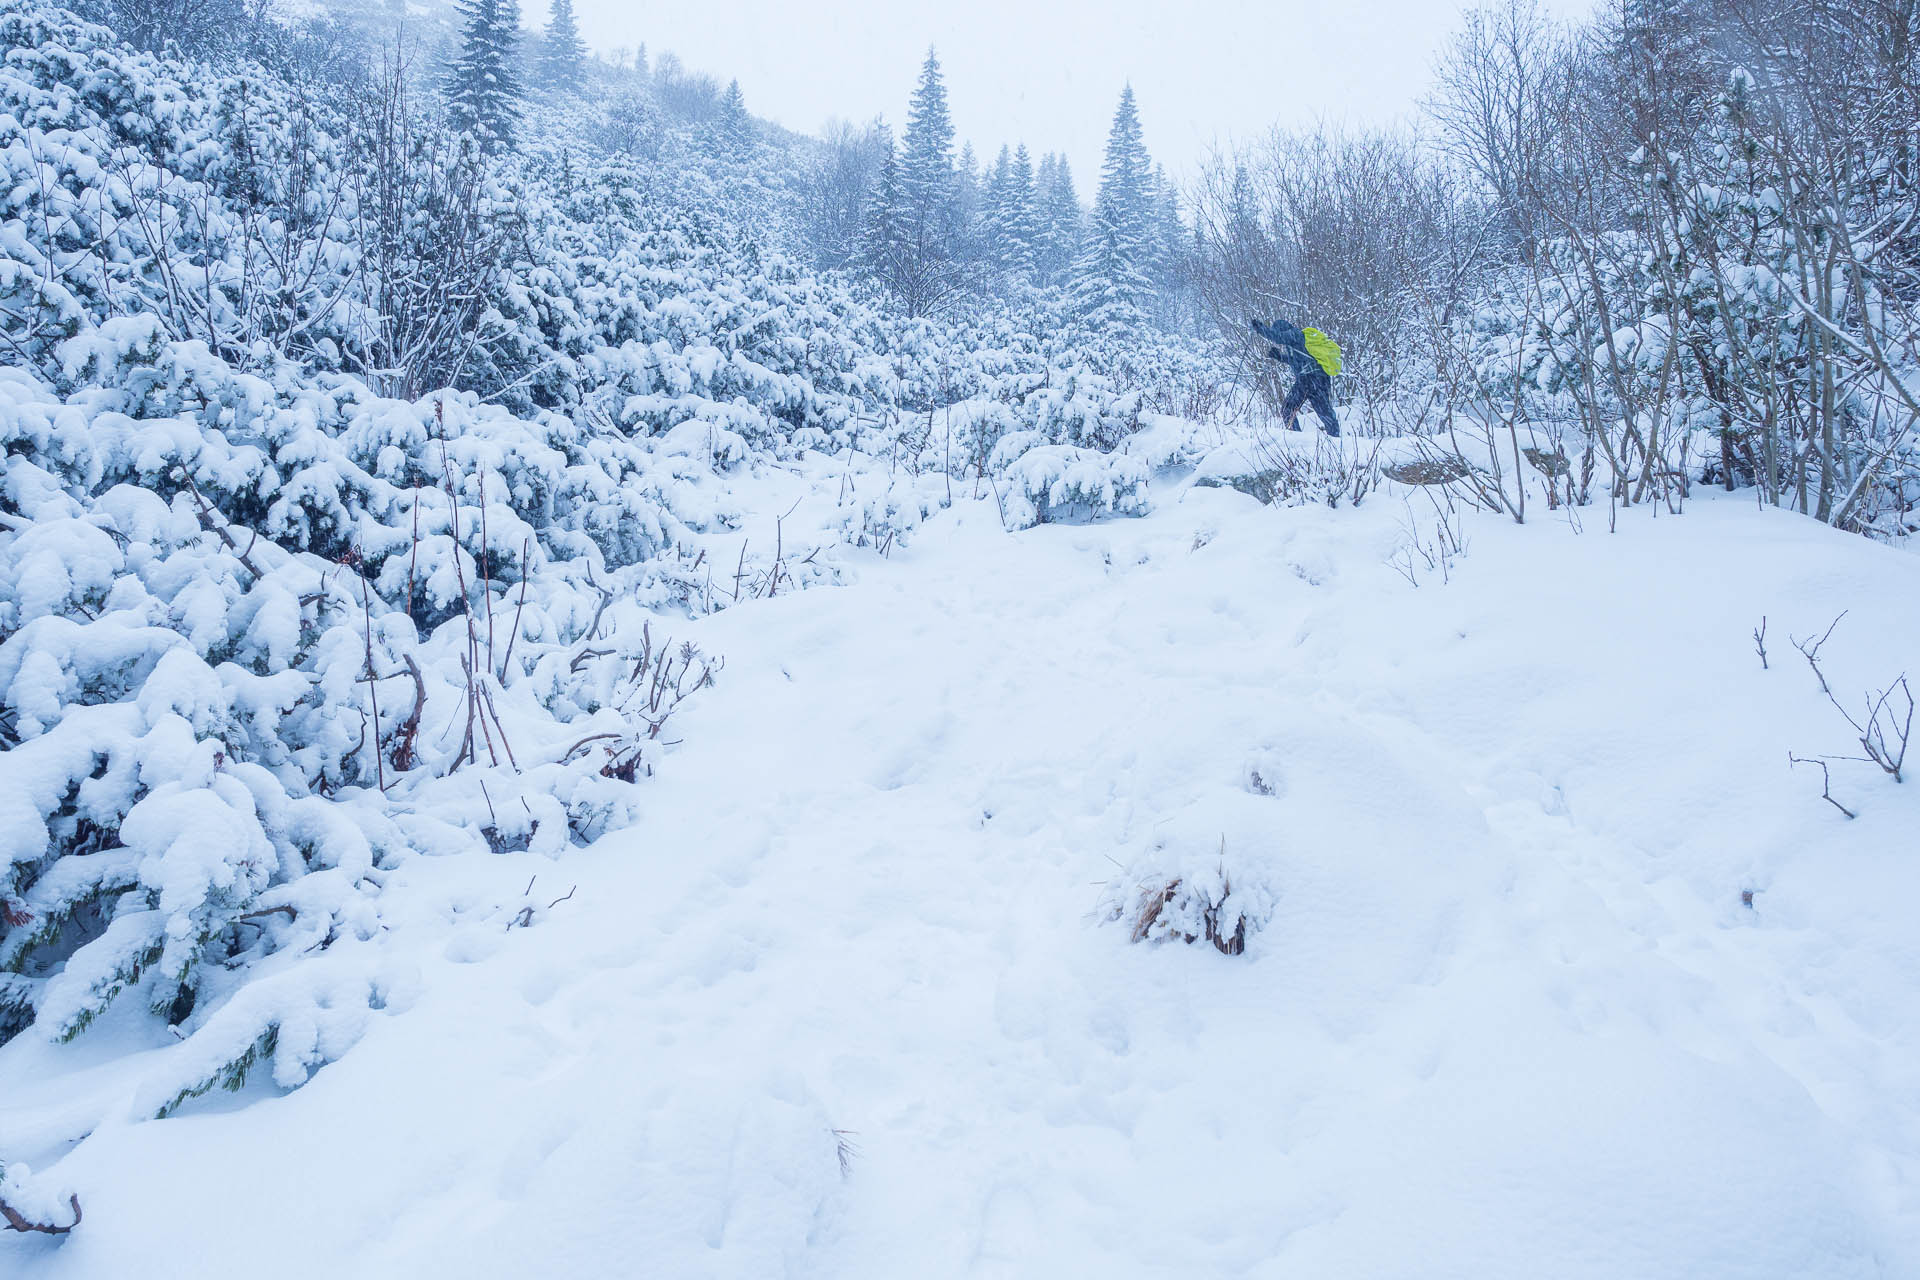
(1509, 1017)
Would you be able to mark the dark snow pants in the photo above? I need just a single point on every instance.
(1312, 387)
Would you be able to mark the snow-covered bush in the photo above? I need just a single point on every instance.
(232, 610)
(1203, 902)
(1293, 471)
(136, 187)
(883, 514)
(27, 1206)
(1062, 426)
(1051, 483)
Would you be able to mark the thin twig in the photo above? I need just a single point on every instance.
(404, 754)
(1826, 782)
(373, 681)
(526, 571)
(413, 556)
(486, 564)
(1811, 650)
(211, 520)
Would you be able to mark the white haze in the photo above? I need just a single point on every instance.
(1048, 74)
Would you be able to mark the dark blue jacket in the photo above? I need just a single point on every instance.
(1289, 347)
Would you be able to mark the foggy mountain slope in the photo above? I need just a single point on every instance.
(590, 684)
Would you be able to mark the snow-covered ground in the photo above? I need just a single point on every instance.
(846, 1003)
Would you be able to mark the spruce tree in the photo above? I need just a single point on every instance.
(923, 222)
(993, 213)
(563, 58)
(736, 125)
(926, 177)
(1061, 222)
(1019, 218)
(1171, 245)
(879, 250)
(483, 91)
(1043, 180)
(967, 234)
(1112, 285)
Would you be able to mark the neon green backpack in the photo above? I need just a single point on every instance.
(1324, 350)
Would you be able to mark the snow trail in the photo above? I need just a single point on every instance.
(1509, 1017)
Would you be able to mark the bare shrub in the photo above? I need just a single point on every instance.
(1436, 549)
(1335, 472)
(1883, 727)
(1338, 229)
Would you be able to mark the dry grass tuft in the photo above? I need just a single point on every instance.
(1153, 904)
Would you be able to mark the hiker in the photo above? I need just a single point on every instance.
(1314, 359)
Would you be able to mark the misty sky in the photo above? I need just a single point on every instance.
(1048, 72)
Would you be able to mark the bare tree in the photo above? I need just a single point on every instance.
(434, 241)
(1351, 232)
(836, 187)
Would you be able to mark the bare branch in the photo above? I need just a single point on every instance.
(1826, 782)
(16, 1221)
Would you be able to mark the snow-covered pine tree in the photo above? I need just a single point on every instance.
(998, 177)
(969, 237)
(1061, 224)
(1019, 219)
(1171, 248)
(880, 249)
(926, 160)
(925, 210)
(1112, 286)
(563, 56)
(736, 125)
(993, 211)
(483, 88)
